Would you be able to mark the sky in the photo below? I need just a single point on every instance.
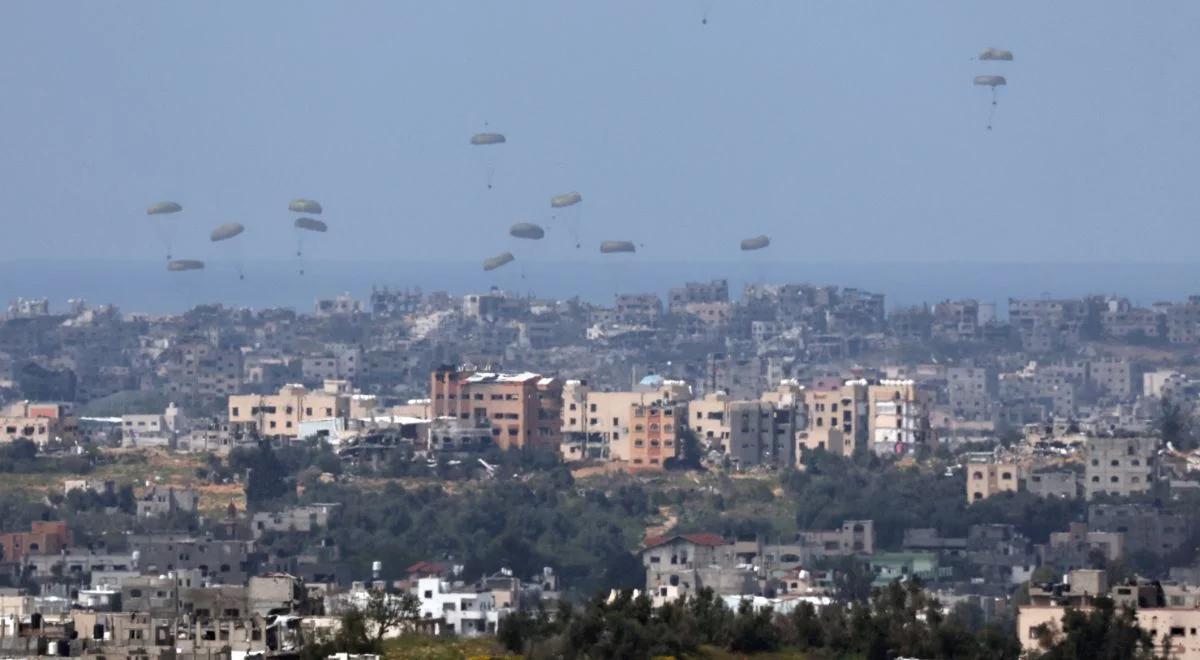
(848, 131)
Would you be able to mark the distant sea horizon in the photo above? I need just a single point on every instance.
(146, 286)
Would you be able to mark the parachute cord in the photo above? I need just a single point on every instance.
(992, 111)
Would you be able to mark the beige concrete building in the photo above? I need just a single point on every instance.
(197, 368)
(897, 416)
(751, 432)
(419, 408)
(1119, 466)
(1111, 376)
(1168, 613)
(519, 409)
(988, 476)
(595, 422)
(854, 537)
(761, 433)
(708, 417)
(1079, 542)
(653, 438)
(639, 309)
(37, 422)
(711, 315)
(837, 418)
(971, 391)
(279, 415)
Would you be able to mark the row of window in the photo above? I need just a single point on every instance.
(1115, 479)
(654, 443)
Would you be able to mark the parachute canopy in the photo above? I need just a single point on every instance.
(756, 243)
(997, 54)
(612, 247)
(163, 207)
(311, 224)
(568, 199)
(180, 265)
(226, 231)
(481, 139)
(990, 81)
(498, 261)
(304, 206)
(527, 230)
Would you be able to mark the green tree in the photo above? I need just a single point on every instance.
(1176, 426)
(266, 477)
(1103, 633)
(388, 612)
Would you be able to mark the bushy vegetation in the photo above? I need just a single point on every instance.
(832, 489)
(899, 621)
(1102, 633)
(585, 535)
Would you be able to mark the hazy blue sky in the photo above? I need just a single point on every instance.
(846, 130)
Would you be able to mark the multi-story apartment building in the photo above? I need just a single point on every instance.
(1044, 324)
(761, 433)
(43, 538)
(987, 476)
(341, 305)
(157, 501)
(716, 291)
(679, 566)
(1183, 321)
(221, 561)
(708, 417)
(754, 432)
(1119, 466)
(854, 537)
(972, 392)
(337, 362)
(739, 377)
(956, 320)
(1119, 319)
(493, 306)
(654, 435)
(1144, 528)
(593, 422)
(709, 316)
(198, 368)
(897, 416)
(1112, 377)
(1167, 612)
(278, 416)
(519, 409)
(37, 422)
(837, 418)
(639, 309)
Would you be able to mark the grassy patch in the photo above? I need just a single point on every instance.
(424, 647)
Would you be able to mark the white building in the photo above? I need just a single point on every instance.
(457, 610)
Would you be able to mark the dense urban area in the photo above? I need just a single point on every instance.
(790, 468)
